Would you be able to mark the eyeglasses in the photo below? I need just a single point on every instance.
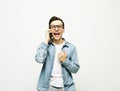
(56, 26)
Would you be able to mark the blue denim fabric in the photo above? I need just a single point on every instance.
(45, 54)
(51, 88)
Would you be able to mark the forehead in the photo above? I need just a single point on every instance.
(56, 22)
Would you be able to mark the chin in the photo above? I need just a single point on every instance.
(56, 38)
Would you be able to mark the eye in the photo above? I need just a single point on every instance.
(56, 26)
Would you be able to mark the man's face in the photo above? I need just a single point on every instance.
(57, 29)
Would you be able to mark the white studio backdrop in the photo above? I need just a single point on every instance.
(93, 26)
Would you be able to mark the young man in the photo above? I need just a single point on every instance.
(59, 59)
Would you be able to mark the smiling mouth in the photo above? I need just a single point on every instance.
(56, 33)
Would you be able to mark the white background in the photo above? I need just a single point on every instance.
(93, 26)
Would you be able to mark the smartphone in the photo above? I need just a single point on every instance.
(51, 37)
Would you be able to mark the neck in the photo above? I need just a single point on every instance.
(60, 41)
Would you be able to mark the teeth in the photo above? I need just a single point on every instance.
(56, 33)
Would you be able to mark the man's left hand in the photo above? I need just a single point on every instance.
(62, 56)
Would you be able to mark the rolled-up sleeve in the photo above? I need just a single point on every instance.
(41, 53)
(72, 64)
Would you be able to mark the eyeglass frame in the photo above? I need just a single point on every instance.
(56, 26)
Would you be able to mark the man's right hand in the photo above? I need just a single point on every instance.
(47, 37)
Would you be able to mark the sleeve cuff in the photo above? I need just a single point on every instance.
(67, 62)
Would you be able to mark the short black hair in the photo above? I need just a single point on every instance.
(54, 18)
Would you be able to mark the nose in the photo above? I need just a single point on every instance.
(56, 28)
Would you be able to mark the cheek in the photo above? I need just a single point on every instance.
(61, 31)
(52, 31)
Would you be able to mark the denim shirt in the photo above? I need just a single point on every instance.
(45, 54)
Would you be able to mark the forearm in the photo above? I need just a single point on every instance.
(71, 66)
(41, 53)
(72, 63)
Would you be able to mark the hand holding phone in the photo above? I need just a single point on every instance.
(48, 37)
